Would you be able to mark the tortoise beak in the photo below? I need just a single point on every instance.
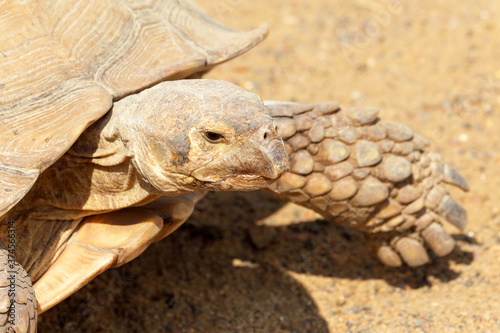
(268, 152)
(268, 161)
(278, 159)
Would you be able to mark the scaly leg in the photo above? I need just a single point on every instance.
(18, 306)
(369, 174)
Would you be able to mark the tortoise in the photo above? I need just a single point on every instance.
(110, 137)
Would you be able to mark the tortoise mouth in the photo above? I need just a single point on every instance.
(239, 183)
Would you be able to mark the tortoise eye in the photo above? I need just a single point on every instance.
(214, 137)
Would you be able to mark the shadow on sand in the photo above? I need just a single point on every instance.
(212, 275)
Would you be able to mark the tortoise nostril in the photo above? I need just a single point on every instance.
(265, 135)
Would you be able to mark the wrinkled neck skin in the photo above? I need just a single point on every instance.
(155, 144)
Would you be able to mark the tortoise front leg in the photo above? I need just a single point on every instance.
(369, 174)
(18, 306)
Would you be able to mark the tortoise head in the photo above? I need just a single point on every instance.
(202, 134)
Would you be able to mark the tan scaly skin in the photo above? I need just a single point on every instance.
(369, 174)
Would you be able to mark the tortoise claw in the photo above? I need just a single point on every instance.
(452, 212)
(412, 252)
(439, 241)
(452, 177)
(388, 256)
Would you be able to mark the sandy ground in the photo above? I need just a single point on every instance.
(430, 64)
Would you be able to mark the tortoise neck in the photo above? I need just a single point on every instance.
(69, 190)
(76, 186)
